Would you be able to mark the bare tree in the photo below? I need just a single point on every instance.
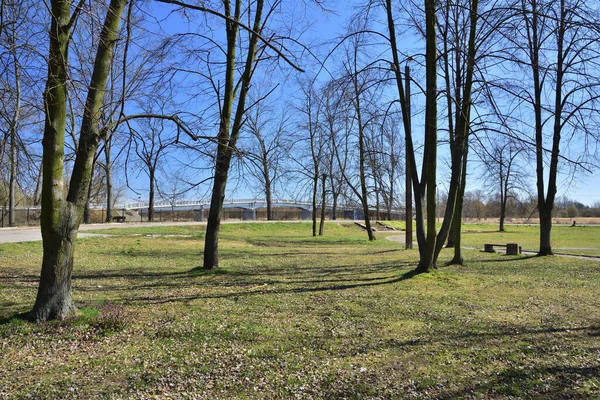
(19, 99)
(151, 144)
(551, 50)
(503, 173)
(310, 164)
(424, 187)
(268, 145)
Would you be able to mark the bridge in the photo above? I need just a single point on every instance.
(248, 207)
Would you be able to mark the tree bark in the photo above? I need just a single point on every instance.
(54, 298)
(268, 195)
(86, 209)
(109, 183)
(458, 212)
(545, 231)
(61, 217)
(314, 200)
(213, 227)
(151, 196)
(427, 259)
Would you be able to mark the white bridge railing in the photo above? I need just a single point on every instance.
(246, 203)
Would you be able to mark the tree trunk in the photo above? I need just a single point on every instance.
(54, 299)
(322, 224)
(314, 201)
(269, 199)
(13, 138)
(227, 138)
(426, 262)
(459, 147)
(502, 212)
(546, 205)
(545, 231)
(12, 186)
(109, 183)
(86, 209)
(364, 194)
(334, 206)
(61, 217)
(37, 194)
(151, 196)
(215, 213)
(458, 212)
(408, 235)
(269, 203)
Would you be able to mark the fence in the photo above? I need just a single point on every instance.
(31, 216)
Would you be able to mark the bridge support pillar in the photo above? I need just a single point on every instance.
(305, 214)
(248, 214)
(354, 214)
(199, 217)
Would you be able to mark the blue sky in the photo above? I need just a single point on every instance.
(326, 27)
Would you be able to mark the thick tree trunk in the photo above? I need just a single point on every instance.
(427, 259)
(61, 217)
(545, 231)
(54, 299)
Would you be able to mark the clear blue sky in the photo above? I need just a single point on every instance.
(322, 27)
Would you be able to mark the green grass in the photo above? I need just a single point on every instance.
(583, 240)
(288, 315)
(578, 240)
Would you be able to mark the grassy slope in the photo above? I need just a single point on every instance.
(291, 315)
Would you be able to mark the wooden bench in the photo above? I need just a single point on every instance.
(119, 218)
(512, 249)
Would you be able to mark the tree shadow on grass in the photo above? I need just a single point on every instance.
(558, 381)
(266, 290)
(506, 259)
(19, 317)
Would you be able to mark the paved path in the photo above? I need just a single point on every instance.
(29, 234)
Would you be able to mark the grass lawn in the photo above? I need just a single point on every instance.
(579, 240)
(291, 316)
